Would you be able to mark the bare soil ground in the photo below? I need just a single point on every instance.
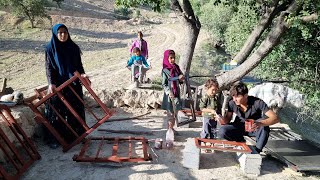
(104, 41)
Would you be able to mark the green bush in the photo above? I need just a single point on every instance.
(122, 12)
(136, 13)
(240, 27)
(208, 62)
(215, 18)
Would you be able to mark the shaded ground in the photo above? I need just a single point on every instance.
(104, 42)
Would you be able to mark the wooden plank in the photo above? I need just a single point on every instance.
(127, 132)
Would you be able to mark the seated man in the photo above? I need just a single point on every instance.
(247, 107)
(137, 60)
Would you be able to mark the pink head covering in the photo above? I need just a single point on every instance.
(173, 68)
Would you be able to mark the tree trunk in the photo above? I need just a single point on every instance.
(193, 25)
(271, 41)
(267, 45)
(253, 38)
(32, 23)
(190, 41)
(30, 17)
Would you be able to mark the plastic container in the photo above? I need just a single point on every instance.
(227, 67)
(158, 143)
(248, 125)
(169, 138)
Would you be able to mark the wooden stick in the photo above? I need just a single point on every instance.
(126, 131)
(127, 118)
(3, 87)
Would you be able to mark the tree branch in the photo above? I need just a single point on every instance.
(267, 45)
(187, 12)
(310, 18)
(264, 23)
(176, 4)
(315, 81)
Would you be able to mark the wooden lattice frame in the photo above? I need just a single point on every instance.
(83, 157)
(44, 98)
(222, 145)
(12, 150)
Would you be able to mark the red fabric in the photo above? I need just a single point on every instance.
(173, 68)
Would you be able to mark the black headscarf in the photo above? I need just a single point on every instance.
(63, 56)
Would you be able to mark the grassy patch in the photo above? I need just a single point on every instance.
(207, 62)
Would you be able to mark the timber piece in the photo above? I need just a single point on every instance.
(4, 85)
(115, 156)
(45, 98)
(13, 148)
(128, 118)
(222, 145)
(126, 131)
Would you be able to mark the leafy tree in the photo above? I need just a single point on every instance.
(276, 18)
(27, 8)
(241, 24)
(217, 21)
(156, 5)
(283, 43)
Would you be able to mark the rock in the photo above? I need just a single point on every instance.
(191, 155)
(7, 97)
(119, 103)
(277, 96)
(135, 98)
(17, 97)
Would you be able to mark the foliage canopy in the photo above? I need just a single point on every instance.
(156, 5)
(295, 59)
(26, 8)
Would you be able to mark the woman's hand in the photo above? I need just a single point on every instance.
(51, 88)
(181, 77)
(171, 95)
(87, 78)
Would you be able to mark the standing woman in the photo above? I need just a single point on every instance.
(171, 88)
(63, 58)
(141, 44)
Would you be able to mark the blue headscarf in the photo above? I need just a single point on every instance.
(64, 56)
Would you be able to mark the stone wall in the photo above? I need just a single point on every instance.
(135, 98)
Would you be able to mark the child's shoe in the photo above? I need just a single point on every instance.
(137, 75)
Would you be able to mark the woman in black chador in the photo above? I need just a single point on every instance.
(63, 58)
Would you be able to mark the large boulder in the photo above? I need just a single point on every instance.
(292, 111)
(277, 96)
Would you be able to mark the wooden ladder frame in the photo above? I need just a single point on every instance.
(44, 98)
(83, 157)
(12, 150)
